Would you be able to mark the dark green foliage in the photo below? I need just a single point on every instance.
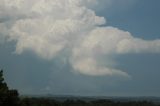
(38, 102)
(69, 102)
(7, 97)
(3, 85)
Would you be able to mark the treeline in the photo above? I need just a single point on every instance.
(9, 97)
(51, 102)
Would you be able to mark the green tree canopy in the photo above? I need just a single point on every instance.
(7, 97)
(3, 85)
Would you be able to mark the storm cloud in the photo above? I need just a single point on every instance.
(49, 27)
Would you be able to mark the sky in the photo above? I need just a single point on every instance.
(81, 47)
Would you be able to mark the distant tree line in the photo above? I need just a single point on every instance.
(10, 97)
(51, 102)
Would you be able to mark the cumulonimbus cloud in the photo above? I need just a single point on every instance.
(48, 27)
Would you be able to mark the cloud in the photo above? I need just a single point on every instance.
(49, 27)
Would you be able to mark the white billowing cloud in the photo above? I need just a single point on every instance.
(89, 66)
(108, 41)
(48, 27)
(136, 45)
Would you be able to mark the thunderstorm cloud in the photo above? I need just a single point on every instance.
(49, 27)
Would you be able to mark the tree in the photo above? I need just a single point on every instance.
(3, 89)
(3, 85)
(7, 97)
